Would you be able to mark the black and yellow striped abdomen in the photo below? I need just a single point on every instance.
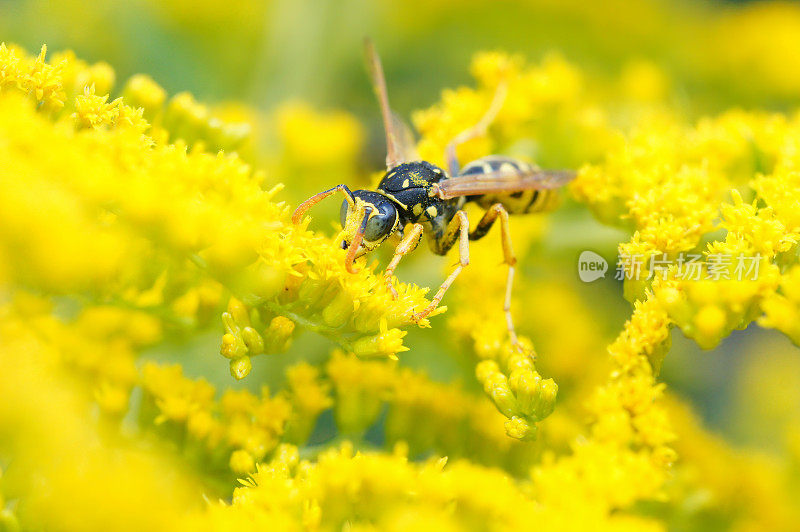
(522, 202)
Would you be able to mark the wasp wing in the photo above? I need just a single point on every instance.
(400, 145)
(503, 181)
(405, 143)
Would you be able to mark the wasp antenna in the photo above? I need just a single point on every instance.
(394, 150)
(356, 243)
(297, 216)
(316, 198)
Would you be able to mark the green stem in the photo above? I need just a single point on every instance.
(324, 330)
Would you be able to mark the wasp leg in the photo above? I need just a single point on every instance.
(316, 198)
(477, 130)
(406, 245)
(458, 229)
(495, 211)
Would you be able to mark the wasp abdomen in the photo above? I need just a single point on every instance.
(521, 202)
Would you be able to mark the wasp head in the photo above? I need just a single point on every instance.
(367, 222)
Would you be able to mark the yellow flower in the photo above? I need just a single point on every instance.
(93, 111)
(241, 462)
(309, 396)
(139, 230)
(782, 308)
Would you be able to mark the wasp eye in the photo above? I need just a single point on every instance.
(343, 212)
(380, 225)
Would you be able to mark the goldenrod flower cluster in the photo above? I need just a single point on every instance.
(696, 183)
(143, 235)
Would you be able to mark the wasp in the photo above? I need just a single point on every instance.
(415, 197)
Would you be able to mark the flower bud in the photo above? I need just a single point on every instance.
(387, 343)
(710, 322)
(311, 291)
(520, 362)
(200, 424)
(545, 400)
(264, 281)
(142, 91)
(485, 368)
(253, 341)
(101, 75)
(495, 384)
(240, 367)
(241, 462)
(232, 346)
(521, 429)
(185, 118)
(278, 336)
(339, 311)
(525, 385)
(238, 312)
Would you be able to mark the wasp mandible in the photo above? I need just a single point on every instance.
(416, 197)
